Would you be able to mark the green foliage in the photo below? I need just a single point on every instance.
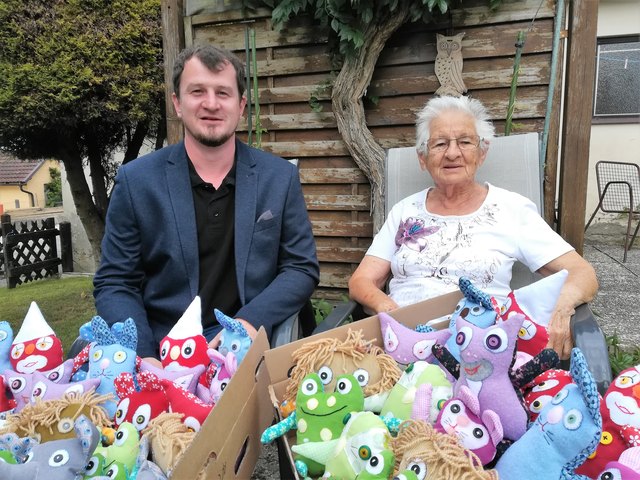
(350, 20)
(75, 70)
(621, 358)
(53, 189)
(321, 308)
(66, 303)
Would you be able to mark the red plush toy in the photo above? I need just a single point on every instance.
(544, 388)
(36, 346)
(139, 405)
(180, 401)
(620, 411)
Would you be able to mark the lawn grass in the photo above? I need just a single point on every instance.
(66, 303)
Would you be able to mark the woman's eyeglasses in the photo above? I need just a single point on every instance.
(441, 145)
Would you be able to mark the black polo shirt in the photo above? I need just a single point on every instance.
(218, 286)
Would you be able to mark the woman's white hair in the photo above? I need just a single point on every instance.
(438, 105)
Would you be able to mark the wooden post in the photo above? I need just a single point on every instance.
(172, 44)
(578, 111)
(66, 253)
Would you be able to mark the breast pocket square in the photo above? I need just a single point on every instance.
(265, 216)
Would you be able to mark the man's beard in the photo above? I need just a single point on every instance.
(211, 141)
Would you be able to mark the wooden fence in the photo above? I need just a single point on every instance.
(30, 250)
(294, 65)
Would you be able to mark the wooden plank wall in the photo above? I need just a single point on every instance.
(294, 64)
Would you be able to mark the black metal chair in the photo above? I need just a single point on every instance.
(619, 192)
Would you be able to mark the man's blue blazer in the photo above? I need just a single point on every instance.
(149, 268)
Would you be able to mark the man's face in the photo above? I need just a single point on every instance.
(209, 105)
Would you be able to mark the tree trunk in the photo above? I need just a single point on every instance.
(83, 201)
(135, 142)
(98, 176)
(346, 98)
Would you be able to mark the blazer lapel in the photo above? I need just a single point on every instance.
(181, 198)
(245, 210)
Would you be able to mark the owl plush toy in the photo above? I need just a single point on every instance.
(185, 346)
(36, 346)
(141, 400)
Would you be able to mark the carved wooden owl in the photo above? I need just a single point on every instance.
(448, 66)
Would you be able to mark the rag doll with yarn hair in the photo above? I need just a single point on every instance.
(433, 455)
(169, 438)
(375, 371)
(54, 419)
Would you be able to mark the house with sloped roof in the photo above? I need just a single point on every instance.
(23, 182)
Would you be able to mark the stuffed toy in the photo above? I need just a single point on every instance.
(432, 455)
(143, 469)
(7, 402)
(363, 446)
(54, 419)
(62, 373)
(36, 346)
(405, 345)
(620, 407)
(234, 339)
(185, 346)
(422, 389)
(486, 356)
(565, 432)
(169, 439)
(27, 387)
(141, 400)
(319, 416)
(536, 302)
(477, 431)
(6, 339)
(58, 459)
(15, 449)
(543, 389)
(186, 378)
(124, 450)
(627, 467)
(220, 371)
(476, 307)
(195, 411)
(374, 370)
(111, 353)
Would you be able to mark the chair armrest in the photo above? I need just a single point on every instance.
(286, 332)
(337, 317)
(589, 338)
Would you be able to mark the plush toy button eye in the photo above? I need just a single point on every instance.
(16, 384)
(120, 356)
(375, 465)
(121, 437)
(92, 466)
(573, 419)
(58, 458)
(362, 376)
(65, 425)
(344, 386)
(189, 348)
(364, 452)
(113, 471)
(326, 375)
(309, 387)
(463, 337)
(419, 468)
(97, 355)
(496, 340)
(560, 396)
(477, 310)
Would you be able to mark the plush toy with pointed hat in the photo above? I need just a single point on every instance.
(536, 302)
(36, 346)
(234, 339)
(185, 346)
(627, 467)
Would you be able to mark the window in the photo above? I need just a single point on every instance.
(617, 92)
(17, 203)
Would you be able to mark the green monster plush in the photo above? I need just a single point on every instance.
(406, 475)
(319, 416)
(362, 451)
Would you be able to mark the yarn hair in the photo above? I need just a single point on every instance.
(169, 438)
(312, 355)
(442, 453)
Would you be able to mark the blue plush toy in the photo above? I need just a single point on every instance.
(475, 307)
(111, 353)
(6, 339)
(564, 434)
(234, 339)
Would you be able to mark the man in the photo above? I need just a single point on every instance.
(209, 216)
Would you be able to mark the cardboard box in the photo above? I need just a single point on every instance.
(228, 444)
(278, 361)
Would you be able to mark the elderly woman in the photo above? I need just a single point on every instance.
(463, 228)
